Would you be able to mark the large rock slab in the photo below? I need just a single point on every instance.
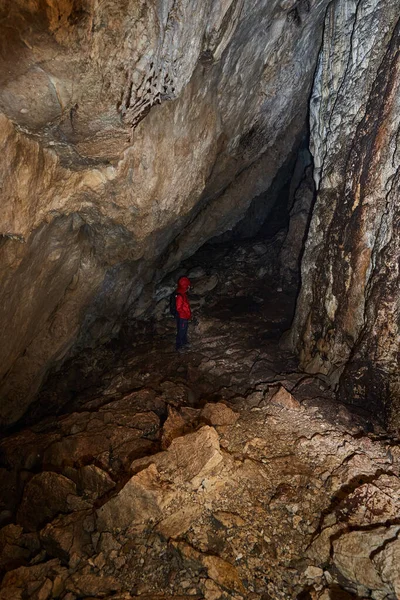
(218, 414)
(356, 556)
(136, 504)
(284, 502)
(192, 457)
(188, 460)
(45, 496)
(285, 399)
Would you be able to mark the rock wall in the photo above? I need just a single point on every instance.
(131, 133)
(347, 321)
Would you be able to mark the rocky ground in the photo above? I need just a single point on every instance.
(221, 473)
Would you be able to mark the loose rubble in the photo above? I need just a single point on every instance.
(224, 473)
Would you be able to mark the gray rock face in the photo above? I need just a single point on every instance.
(133, 124)
(347, 322)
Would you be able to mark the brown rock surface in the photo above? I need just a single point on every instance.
(276, 499)
(90, 435)
(38, 581)
(118, 161)
(174, 427)
(133, 132)
(270, 503)
(136, 504)
(69, 536)
(15, 546)
(218, 414)
(45, 496)
(285, 399)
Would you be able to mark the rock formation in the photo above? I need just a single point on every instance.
(131, 133)
(347, 323)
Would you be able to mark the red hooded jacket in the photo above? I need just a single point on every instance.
(182, 302)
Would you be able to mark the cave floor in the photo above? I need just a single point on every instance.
(234, 351)
(223, 472)
(234, 348)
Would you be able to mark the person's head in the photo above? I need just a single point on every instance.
(184, 284)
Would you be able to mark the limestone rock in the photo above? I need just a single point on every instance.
(86, 583)
(94, 481)
(192, 457)
(173, 427)
(313, 572)
(29, 581)
(46, 495)
(91, 138)
(348, 308)
(136, 503)
(352, 556)
(212, 517)
(387, 564)
(285, 399)
(294, 241)
(205, 285)
(218, 414)
(87, 435)
(229, 519)
(179, 522)
(220, 571)
(196, 273)
(15, 546)
(223, 573)
(69, 535)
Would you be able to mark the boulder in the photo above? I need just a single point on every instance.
(91, 436)
(38, 581)
(86, 583)
(136, 504)
(285, 399)
(196, 273)
(218, 414)
(192, 457)
(357, 556)
(16, 547)
(69, 535)
(93, 481)
(46, 495)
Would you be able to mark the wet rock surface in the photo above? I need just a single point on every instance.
(222, 473)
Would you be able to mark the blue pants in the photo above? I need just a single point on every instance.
(181, 332)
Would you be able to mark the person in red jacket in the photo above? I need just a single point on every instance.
(183, 313)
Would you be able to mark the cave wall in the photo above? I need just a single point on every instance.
(131, 132)
(348, 314)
